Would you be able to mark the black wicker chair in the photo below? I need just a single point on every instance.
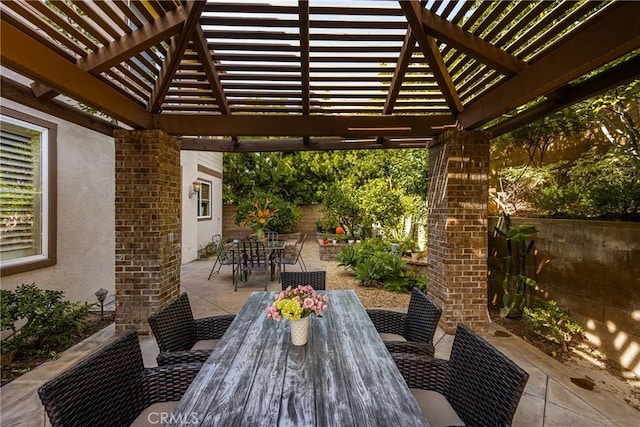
(112, 387)
(411, 332)
(479, 383)
(294, 279)
(183, 339)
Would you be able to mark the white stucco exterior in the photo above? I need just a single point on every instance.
(86, 214)
(197, 233)
(86, 211)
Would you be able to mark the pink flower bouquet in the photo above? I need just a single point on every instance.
(294, 304)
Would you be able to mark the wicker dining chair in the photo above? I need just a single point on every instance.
(316, 279)
(478, 384)
(112, 387)
(411, 332)
(180, 337)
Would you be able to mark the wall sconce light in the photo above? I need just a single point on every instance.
(196, 189)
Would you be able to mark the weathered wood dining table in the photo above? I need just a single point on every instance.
(343, 376)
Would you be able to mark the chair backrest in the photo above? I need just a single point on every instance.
(173, 325)
(484, 386)
(271, 237)
(254, 255)
(107, 387)
(423, 316)
(216, 240)
(299, 250)
(294, 279)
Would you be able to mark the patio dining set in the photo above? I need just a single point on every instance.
(359, 368)
(270, 256)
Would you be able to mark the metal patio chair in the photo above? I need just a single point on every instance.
(296, 258)
(254, 257)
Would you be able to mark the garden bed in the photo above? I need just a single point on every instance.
(23, 363)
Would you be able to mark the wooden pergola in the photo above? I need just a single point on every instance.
(314, 75)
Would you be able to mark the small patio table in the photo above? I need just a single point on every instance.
(343, 376)
(275, 250)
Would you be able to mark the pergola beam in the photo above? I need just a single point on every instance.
(469, 44)
(124, 48)
(585, 51)
(278, 125)
(22, 94)
(615, 76)
(288, 144)
(408, 47)
(429, 48)
(31, 58)
(179, 43)
(202, 47)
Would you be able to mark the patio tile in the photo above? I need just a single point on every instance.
(530, 412)
(559, 416)
(565, 398)
(443, 347)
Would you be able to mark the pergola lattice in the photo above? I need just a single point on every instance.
(299, 75)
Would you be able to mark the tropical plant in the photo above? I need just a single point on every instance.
(515, 281)
(347, 257)
(287, 218)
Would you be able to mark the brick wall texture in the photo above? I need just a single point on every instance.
(591, 268)
(148, 225)
(457, 243)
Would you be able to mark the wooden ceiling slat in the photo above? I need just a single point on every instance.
(123, 6)
(498, 9)
(141, 8)
(250, 35)
(11, 18)
(97, 16)
(584, 51)
(126, 71)
(578, 13)
(218, 7)
(62, 22)
(536, 9)
(107, 8)
(133, 87)
(26, 12)
(87, 25)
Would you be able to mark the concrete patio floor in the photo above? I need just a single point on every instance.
(550, 398)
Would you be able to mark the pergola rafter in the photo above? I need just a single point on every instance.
(174, 64)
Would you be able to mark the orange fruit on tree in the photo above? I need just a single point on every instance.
(339, 230)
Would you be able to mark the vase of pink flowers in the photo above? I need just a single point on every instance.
(297, 305)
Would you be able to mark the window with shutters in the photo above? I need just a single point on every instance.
(204, 200)
(27, 192)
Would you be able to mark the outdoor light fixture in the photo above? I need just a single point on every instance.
(101, 294)
(196, 188)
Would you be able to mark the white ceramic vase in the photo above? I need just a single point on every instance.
(299, 331)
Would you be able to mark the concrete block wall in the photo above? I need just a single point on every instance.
(591, 268)
(148, 225)
(457, 222)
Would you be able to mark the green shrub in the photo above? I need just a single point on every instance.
(47, 320)
(547, 319)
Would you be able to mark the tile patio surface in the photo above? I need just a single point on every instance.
(550, 399)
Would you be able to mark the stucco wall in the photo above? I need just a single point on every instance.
(200, 166)
(86, 192)
(591, 268)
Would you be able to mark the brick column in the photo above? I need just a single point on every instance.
(457, 241)
(148, 225)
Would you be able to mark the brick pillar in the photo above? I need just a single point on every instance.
(148, 225)
(457, 241)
